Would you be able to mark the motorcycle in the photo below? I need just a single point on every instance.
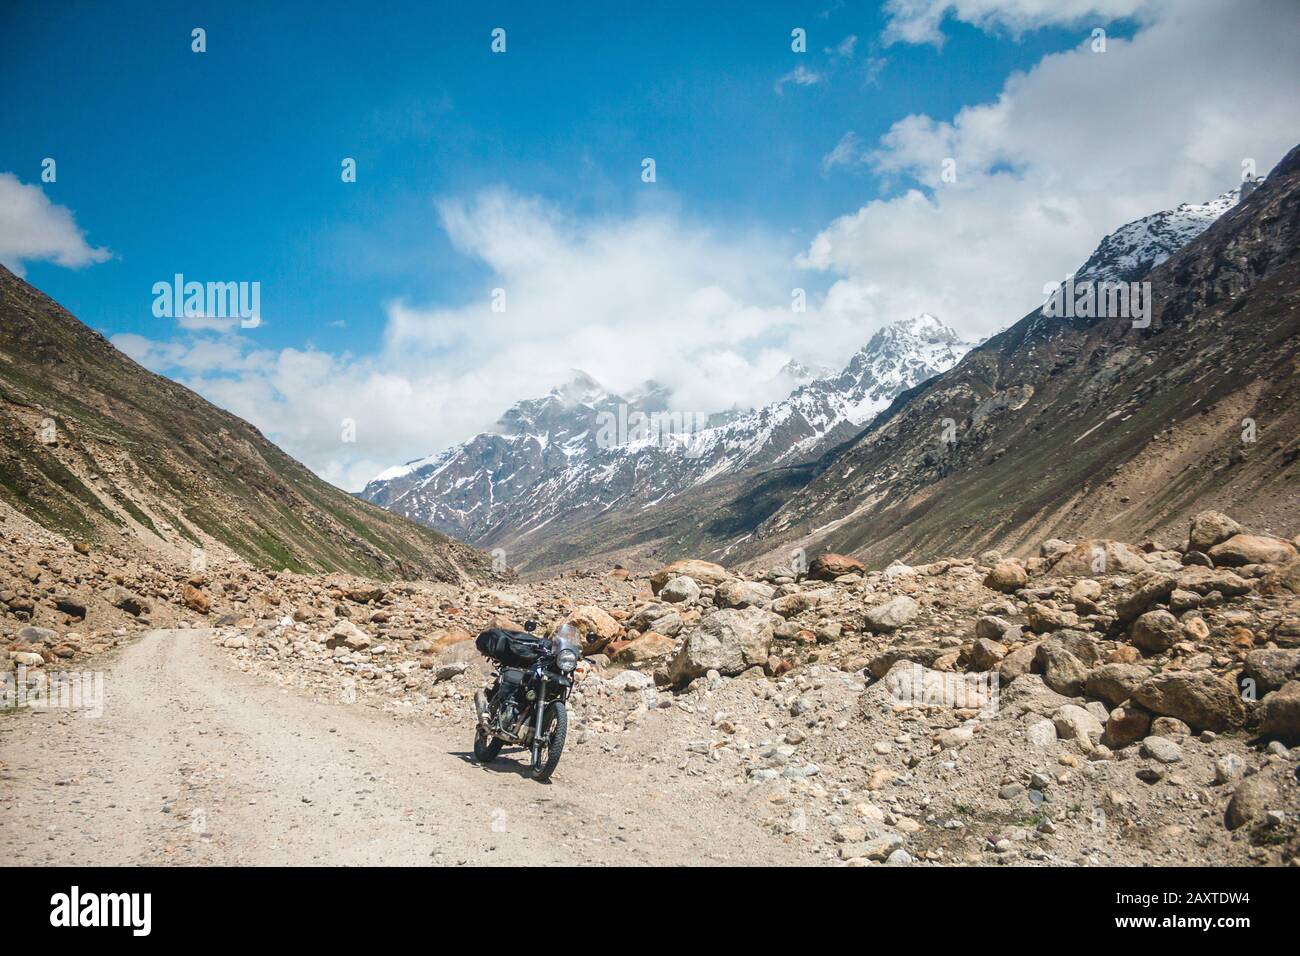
(524, 706)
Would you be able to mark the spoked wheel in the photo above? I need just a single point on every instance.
(555, 728)
(485, 748)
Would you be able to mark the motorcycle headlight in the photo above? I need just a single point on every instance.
(567, 659)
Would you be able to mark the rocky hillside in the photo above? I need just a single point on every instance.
(1068, 426)
(1098, 703)
(582, 453)
(99, 449)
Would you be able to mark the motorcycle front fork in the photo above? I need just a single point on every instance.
(537, 730)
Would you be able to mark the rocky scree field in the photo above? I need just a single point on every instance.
(1100, 703)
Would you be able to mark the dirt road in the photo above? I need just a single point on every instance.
(194, 762)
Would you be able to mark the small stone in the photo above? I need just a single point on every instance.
(1162, 749)
(1041, 733)
(1169, 727)
(1253, 797)
(1229, 768)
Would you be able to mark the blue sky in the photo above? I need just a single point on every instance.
(227, 164)
(522, 170)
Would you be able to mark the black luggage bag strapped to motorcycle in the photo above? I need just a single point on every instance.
(510, 648)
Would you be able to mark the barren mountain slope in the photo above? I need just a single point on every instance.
(96, 447)
(1074, 427)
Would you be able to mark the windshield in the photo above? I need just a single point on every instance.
(567, 636)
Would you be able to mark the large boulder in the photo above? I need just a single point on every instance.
(648, 647)
(1208, 529)
(348, 635)
(828, 567)
(1100, 557)
(923, 654)
(1252, 549)
(728, 641)
(444, 638)
(680, 590)
(1075, 723)
(1007, 576)
(1115, 683)
(703, 572)
(986, 655)
(595, 626)
(1269, 669)
(893, 614)
(1282, 579)
(1200, 699)
(1279, 713)
(1202, 580)
(195, 599)
(744, 594)
(662, 618)
(1146, 590)
(1155, 632)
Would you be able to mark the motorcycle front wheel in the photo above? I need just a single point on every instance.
(485, 748)
(555, 727)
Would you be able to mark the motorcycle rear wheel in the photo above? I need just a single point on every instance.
(555, 728)
(485, 748)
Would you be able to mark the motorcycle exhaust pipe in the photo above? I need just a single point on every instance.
(481, 708)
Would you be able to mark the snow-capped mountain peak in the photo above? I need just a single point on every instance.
(582, 446)
(1135, 248)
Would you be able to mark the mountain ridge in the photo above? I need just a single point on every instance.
(98, 448)
(1152, 415)
(553, 456)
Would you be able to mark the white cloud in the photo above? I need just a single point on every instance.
(649, 297)
(1068, 151)
(34, 229)
(920, 21)
(847, 152)
(871, 71)
(206, 323)
(799, 76)
(844, 49)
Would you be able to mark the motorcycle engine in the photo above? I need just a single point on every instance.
(508, 706)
